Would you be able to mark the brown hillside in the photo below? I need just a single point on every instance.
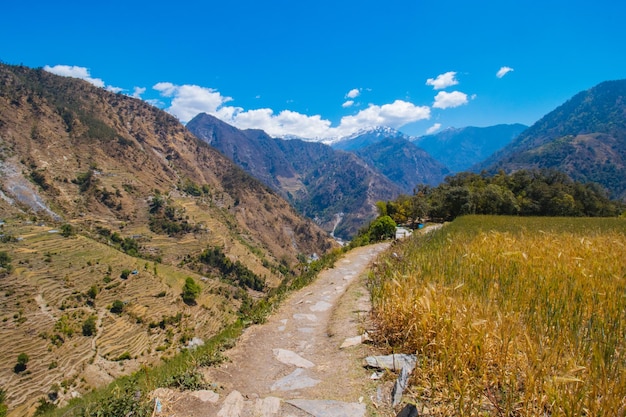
(114, 168)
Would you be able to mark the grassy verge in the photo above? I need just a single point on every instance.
(510, 316)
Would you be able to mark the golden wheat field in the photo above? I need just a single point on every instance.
(510, 316)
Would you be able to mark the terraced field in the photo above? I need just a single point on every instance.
(59, 282)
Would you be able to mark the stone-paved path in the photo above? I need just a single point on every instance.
(293, 365)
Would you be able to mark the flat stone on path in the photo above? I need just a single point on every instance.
(291, 358)
(302, 316)
(295, 380)
(233, 405)
(329, 408)
(320, 306)
(267, 407)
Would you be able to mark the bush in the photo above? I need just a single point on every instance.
(5, 261)
(382, 228)
(89, 326)
(67, 230)
(22, 360)
(191, 291)
(44, 407)
(117, 307)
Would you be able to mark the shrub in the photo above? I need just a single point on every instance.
(89, 326)
(382, 228)
(67, 230)
(191, 290)
(117, 307)
(22, 360)
(44, 407)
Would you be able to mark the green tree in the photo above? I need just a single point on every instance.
(5, 261)
(67, 230)
(382, 228)
(22, 360)
(191, 290)
(89, 326)
(117, 307)
(92, 292)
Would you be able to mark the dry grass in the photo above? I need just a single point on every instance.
(511, 316)
(46, 296)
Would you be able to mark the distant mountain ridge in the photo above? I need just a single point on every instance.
(460, 149)
(403, 163)
(365, 137)
(585, 137)
(321, 182)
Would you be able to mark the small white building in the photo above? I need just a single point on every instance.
(403, 232)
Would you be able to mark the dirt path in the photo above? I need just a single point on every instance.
(293, 365)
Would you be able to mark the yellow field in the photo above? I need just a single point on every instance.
(510, 316)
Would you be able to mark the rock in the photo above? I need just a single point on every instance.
(392, 362)
(194, 343)
(267, 407)
(302, 316)
(409, 410)
(351, 341)
(320, 306)
(330, 408)
(206, 396)
(291, 358)
(356, 340)
(295, 380)
(233, 405)
(400, 385)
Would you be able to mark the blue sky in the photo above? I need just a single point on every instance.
(328, 68)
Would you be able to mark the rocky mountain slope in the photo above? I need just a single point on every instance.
(585, 137)
(108, 205)
(335, 188)
(460, 149)
(403, 163)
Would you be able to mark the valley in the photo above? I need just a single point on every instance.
(129, 239)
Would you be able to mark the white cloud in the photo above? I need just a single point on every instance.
(114, 89)
(503, 71)
(138, 91)
(396, 115)
(433, 128)
(189, 100)
(75, 72)
(354, 93)
(445, 100)
(443, 80)
(348, 103)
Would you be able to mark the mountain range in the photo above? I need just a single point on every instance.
(337, 189)
(108, 201)
(585, 137)
(460, 149)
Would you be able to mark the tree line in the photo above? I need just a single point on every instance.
(524, 193)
